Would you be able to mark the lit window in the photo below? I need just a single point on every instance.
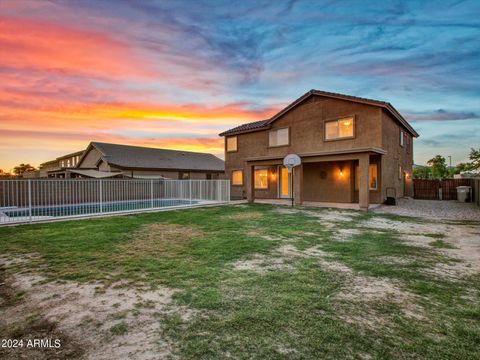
(232, 143)
(402, 138)
(237, 177)
(339, 129)
(62, 163)
(372, 177)
(184, 175)
(68, 163)
(278, 137)
(261, 179)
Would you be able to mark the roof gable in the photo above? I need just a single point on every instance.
(266, 123)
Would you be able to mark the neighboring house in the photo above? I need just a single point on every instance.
(58, 168)
(353, 150)
(107, 160)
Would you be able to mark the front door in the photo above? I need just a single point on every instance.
(284, 183)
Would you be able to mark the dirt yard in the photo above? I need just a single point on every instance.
(260, 282)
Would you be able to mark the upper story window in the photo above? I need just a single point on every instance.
(62, 163)
(402, 138)
(339, 129)
(232, 144)
(237, 177)
(68, 163)
(278, 137)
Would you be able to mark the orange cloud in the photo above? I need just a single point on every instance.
(36, 45)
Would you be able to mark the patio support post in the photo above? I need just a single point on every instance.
(298, 184)
(364, 191)
(250, 181)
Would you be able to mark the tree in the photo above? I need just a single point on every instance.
(472, 165)
(475, 159)
(439, 167)
(422, 172)
(23, 168)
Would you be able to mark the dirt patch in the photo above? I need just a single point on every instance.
(111, 322)
(357, 288)
(463, 242)
(159, 238)
(282, 258)
(263, 264)
(31, 327)
(332, 215)
(247, 215)
(345, 234)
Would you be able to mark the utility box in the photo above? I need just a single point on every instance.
(463, 193)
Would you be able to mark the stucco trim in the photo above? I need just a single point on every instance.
(324, 153)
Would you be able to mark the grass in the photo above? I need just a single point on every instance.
(119, 329)
(294, 313)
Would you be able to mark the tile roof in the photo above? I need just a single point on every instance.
(126, 156)
(266, 123)
(247, 127)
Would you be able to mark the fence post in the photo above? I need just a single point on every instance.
(30, 200)
(101, 196)
(219, 190)
(151, 193)
(228, 189)
(190, 190)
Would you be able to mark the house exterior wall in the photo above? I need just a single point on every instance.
(396, 156)
(90, 159)
(306, 124)
(328, 181)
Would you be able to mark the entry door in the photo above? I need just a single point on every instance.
(284, 184)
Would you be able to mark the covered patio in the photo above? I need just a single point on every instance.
(351, 178)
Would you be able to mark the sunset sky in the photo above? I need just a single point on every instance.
(174, 74)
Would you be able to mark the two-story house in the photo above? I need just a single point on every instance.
(353, 150)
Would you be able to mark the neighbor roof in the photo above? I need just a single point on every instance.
(131, 157)
(265, 124)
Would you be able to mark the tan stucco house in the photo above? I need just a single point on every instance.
(126, 161)
(104, 160)
(353, 150)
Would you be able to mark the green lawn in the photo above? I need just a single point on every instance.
(268, 283)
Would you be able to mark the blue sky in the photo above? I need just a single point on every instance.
(176, 73)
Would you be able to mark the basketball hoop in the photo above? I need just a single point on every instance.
(290, 161)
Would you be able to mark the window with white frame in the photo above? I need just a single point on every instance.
(261, 179)
(278, 137)
(232, 143)
(339, 129)
(402, 138)
(237, 177)
(400, 172)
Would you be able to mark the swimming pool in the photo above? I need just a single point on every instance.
(92, 208)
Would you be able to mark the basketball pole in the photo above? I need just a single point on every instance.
(291, 174)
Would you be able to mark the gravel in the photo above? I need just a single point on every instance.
(433, 209)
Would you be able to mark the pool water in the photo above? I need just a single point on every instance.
(95, 208)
